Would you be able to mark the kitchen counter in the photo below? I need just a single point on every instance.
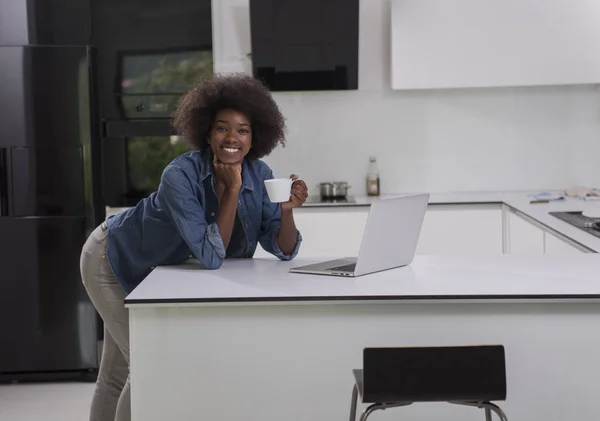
(428, 278)
(251, 341)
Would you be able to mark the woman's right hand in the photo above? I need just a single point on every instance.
(229, 175)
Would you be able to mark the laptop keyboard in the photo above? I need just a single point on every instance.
(345, 268)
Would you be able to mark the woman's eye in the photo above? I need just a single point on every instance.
(221, 128)
(244, 131)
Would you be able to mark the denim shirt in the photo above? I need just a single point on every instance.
(179, 220)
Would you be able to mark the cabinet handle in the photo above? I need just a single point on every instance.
(4, 182)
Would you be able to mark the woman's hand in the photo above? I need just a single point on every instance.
(228, 175)
(228, 184)
(298, 196)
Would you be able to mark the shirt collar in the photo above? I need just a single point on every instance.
(207, 170)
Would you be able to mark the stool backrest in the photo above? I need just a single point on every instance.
(431, 374)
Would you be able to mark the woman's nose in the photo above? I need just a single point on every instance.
(231, 135)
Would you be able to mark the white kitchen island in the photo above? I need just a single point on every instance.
(252, 342)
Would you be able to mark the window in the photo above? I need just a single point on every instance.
(151, 85)
(147, 158)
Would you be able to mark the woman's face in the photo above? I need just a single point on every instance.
(230, 136)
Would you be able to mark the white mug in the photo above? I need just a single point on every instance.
(279, 189)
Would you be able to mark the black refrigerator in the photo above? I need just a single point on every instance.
(48, 207)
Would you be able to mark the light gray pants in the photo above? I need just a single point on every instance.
(111, 401)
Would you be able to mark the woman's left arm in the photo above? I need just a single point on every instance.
(278, 233)
(288, 234)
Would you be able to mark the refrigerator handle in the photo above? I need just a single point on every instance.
(3, 182)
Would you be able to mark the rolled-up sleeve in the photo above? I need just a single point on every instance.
(271, 221)
(186, 212)
(271, 245)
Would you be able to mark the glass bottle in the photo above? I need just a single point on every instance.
(373, 178)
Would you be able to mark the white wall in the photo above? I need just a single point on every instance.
(440, 140)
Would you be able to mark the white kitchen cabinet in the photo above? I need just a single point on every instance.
(474, 43)
(553, 244)
(447, 229)
(522, 235)
(461, 229)
(329, 232)
(525, 236)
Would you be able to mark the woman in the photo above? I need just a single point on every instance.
(211, 203)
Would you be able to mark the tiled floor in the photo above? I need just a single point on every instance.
(45, 401)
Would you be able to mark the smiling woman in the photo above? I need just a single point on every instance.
(211, 203)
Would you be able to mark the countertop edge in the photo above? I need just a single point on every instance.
(421, 299)
(367, 204)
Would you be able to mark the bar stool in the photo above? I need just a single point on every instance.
(462, 375)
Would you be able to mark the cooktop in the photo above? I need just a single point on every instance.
(336, 200)
(589, 225)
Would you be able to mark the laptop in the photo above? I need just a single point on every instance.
(389, 239)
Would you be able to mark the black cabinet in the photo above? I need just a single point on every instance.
(46, 210)
(46, 319)
(46, 125)
(47, 181)
(45, 99)
(45, 22)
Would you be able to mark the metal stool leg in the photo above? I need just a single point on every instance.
(380, 406)
(369, 411)
(488, 407)
(488, 414)
(354, 403)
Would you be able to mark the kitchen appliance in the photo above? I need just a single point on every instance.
(318, 200)
(49, 203)
(305, 45)
(336, 190)
(146, 58)
(578, 220)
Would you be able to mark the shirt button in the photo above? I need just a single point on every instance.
(212, 214)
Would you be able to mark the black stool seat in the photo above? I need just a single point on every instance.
(463, 375)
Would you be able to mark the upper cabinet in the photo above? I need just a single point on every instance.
(44, 22)
(474, 43)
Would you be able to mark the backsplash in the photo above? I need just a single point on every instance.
(470, 140)
(436, 140)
